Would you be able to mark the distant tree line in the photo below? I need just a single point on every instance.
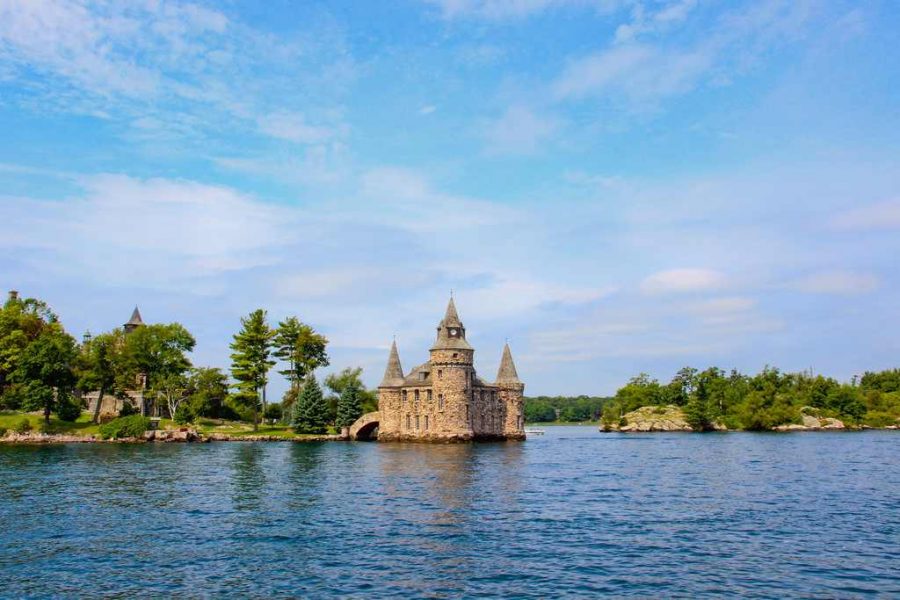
(563, 409)
(765, 400)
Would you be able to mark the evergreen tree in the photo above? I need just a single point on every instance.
(310, 411)
(250, 361)
(348, 408)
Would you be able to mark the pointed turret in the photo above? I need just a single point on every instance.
(451, 333)
(134, 322)
(507, 372)
(393, 373)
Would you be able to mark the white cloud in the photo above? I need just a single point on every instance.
(683, 280)
(881, 216)
(519, 131)
(427, 110)
(294, 128)
(642, 73)
(836, 282)
(506, 9)
(650, 22)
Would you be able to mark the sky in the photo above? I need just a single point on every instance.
(613, 186)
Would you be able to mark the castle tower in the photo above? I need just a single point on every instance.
(512, 392)
(453, 374)
(389, 407)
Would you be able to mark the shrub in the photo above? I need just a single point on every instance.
(128, 409)
(2, 432)
(68, 410)
(184, 414)
(23, 425)
(130, 426)
(879, 419)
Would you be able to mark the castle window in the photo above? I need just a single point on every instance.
(408, 422)
(493, 396)
(403, 396)
(416, 395)
(424, 375)
(440, 374)
(428, 395)
(440, 402)
(456, 355)
(426, 422)
(417, 422)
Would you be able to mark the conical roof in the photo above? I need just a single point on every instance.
(393, 373)
(135, 318)
(451, 317)
(507, 372)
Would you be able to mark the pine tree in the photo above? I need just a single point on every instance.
(348, 408)
(298, 344)
(250, 362)
(310, 411)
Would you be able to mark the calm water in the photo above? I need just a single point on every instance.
(572, 513)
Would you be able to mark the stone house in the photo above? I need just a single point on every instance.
(444, 399)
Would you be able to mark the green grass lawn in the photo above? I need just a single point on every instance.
(207, 426)
(81, 426)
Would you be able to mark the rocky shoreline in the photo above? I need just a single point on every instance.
(157, 436)
(670, 418)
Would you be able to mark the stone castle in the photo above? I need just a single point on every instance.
(444, 400)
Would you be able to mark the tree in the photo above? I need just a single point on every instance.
(99, 366)
(348, 407)
(153, 353)
(298, 344)
(22, 320)
(310, 411)
(250, 361)
(46, 370)
(208, 389)
(338, 382)
(171, 388)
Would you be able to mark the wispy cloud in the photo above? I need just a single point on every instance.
(519, 130)
(881, 216)
(683, 280)
(836, 282)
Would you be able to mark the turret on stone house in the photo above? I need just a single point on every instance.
(134, 322)
(443, 399)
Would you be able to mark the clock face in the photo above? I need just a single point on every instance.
(453, 332)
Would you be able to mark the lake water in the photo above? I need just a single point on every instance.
(572, 513)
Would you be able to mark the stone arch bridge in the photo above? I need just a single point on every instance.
(365, 427)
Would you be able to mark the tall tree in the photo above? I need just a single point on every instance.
(99, 366)
(250, 362)
(348, 407)
(298, 344)
(310, 411)
(208, 391)
(338, 382)
(22, 320)
(153, 353)
(46, 370)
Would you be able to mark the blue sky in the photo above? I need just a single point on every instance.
(615, 186)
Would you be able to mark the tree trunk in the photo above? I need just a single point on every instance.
(256, 412)
(47, 414)
(95, 418)
(264, 401)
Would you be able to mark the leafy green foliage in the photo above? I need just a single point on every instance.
(100, 366)
(22, 426)
(125, 427)
(208, 390)
(310, 413)
(184, 414)
(274, 412)
(298, 344)
(46, 370)
(351, 377)
(348, 407)
(764, 400)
